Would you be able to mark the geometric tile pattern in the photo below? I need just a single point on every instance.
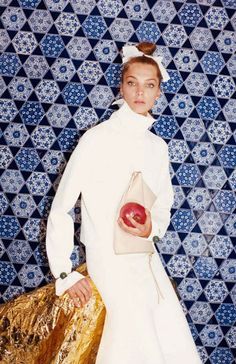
(59, 73)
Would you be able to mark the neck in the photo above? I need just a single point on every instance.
(131, 122)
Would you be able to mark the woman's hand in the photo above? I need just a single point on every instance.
(80, 292)
(142, 230)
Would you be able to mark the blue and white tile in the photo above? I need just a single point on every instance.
(223, 87)
(53, 161)
(20, 88)
(225, 201)
(181, 105)
(210, 222)
(121, 29)
(74, 94)
(56, 5)
(170, 243)
(216, 18)
(197, 84)
(190, 15)
(9, 64)
(90, 72)
(94, 26)
(13, 18)
(16, 134)
(201, 38)
(5, 156)
(193, 129)
(24, 42)
(211, 335)
(110, 8)
(136, 9)
(194, 244)
(203, 153)
(189, 289)
(85, 118)
(30, 275)
(40, 21)
(67, 24)
(12, 181)
(78, 48)
(178, 150)
(8, 110)
(58, 115)
(228, 270)
(174, 35)
(101, 96)
(188, 175)
(36, 66)
(163, 11)
(216, 291)
(3, 206)
(47, 91)
(186, 60)
(38, 183)
(105, 50)
(63, 69)
(179, 266)
(43, 137)
(83, 7)
(31, 112)
(214, 177)
(221, 246)
(19, 251)
(200, 312)
(219, 132)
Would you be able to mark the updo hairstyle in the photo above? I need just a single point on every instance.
(148, 49)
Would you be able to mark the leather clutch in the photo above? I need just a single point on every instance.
(137, 191)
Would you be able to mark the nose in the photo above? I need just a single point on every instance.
(139, 90)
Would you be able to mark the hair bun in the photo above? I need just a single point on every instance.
(146, 47)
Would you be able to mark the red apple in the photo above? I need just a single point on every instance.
(134, 208)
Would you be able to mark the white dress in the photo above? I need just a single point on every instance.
(145, 323)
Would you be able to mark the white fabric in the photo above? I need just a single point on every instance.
(138, 329)
(132, 51)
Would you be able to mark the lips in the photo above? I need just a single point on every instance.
(139, 102)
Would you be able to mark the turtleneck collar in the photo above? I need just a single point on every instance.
(129, 121)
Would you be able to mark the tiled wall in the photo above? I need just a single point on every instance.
(60, 70)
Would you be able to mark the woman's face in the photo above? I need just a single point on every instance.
(140, 87)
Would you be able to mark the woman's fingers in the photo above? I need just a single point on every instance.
(80, 292)
(142, 230)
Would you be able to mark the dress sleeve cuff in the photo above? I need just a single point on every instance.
(63, 284)
(155, 233)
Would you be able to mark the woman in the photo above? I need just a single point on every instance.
(144, 321)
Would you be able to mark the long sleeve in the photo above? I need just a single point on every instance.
(160, 211)
(60, 226)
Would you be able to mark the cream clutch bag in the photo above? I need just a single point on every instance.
(137, 191)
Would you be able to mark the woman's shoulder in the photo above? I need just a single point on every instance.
(94, 131)
(157, 141)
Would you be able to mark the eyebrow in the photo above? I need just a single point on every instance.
(149, 79)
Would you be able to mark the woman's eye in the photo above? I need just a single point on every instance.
(131, 83)
(151, 85)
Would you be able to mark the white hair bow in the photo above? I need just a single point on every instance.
(132, 51)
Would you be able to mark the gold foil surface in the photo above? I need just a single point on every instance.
(41, 328)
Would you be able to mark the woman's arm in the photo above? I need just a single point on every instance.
(160, 212)
(60, 226)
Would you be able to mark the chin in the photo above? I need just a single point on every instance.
(140, 108)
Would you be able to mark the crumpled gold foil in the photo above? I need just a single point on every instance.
(41, 328)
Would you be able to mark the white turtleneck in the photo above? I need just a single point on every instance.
(100, 169)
